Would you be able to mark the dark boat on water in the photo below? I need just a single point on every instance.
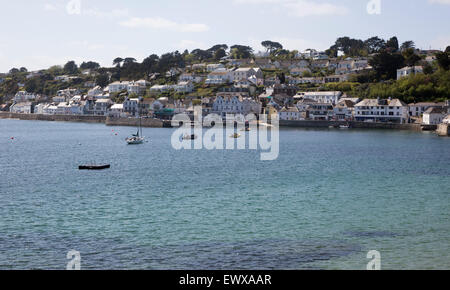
(94, 167)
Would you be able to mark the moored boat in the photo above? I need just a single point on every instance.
(94, 167)
(235, 136)
(189, 137)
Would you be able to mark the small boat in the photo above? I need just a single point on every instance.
(189, 137)
(344, 126)
(235, 136)
(137, 138)
(94, 167)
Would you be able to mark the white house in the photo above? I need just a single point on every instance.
(59, 99)
(95, 92)
(184, 87)
(22, 108)
(344, 110)
(434, 116)
(330, 97)
(407, 71)
(345, 66)
(188, 77)
(245, 73)
(50, 110)
(39, 108)
(137, 87)
(214, 66)
(232, 105)
(62, 109)
(418, 109)
(219, 77)
(378, 110)
(131, 106)
(160, 88)
(102, 106)
(446, 120)
(23, 96)
(116, 111)
(116, 87)
(290, 114)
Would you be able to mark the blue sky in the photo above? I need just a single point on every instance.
(40, 33)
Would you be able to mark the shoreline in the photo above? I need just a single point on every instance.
(157, 123)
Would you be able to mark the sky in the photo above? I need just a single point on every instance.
(40, 33)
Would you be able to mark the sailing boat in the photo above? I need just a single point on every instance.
(137, 138)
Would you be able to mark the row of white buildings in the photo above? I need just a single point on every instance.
(333, 106)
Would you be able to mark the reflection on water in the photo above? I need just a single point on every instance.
(117, 253)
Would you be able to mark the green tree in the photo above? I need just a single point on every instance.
(271, 46)
(71, 68)
(411, 58)
(407, 45)
(14, 71)
(386, 64)
(374, 44)
(117, 61)
(241, 51)
(392, 44)
(90, 65)
(220, 53)
(443, 60)
(102, 80)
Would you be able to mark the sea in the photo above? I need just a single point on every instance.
(331, 197)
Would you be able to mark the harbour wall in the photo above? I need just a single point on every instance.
(54, 118)
(443, 130)
(156, 123)
(133, 122)
(151, 123)
(355, 125)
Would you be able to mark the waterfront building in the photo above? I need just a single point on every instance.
(382, 110)
(418, 109)
(434, 116)
(22, 108)
(50, 109)
(102, 106)
(116, 111)
(131, 106)
(344, 110)
(236, 104)
(290, 114)
(330, 97)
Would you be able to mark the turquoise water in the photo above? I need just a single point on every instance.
(331, 196)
